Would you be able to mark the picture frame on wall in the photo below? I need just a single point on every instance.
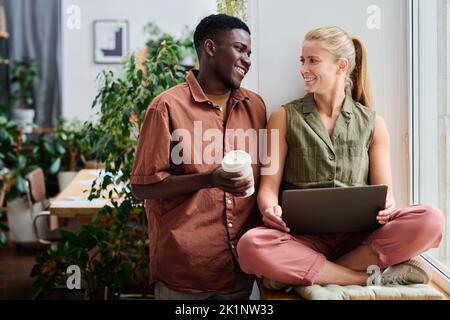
(110, 41)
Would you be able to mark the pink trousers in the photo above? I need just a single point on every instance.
(297, 260)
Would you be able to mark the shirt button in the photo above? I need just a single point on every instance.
(230, 225)
(331, 157)
(229, 201)
(330, 177)
(232, 246)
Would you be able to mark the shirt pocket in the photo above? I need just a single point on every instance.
(303, 165)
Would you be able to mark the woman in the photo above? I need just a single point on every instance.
(332, 138)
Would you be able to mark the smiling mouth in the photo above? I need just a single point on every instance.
(309, 79)
(241, 71)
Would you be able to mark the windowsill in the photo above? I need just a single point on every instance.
(439, 278)
(438, 288)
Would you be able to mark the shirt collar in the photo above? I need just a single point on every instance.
(199, 95)
(309, 105)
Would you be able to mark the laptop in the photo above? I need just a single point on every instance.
(333, 210)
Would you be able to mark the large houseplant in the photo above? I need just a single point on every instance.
(114, 248)
(23, 79)
(14, 158)
(15, 164)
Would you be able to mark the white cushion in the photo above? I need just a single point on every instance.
(397, 292)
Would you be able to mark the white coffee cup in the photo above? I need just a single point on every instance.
(240, 161)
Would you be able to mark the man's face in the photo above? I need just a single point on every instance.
(232, 57)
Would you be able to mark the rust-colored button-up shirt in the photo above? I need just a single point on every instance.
(193, 237)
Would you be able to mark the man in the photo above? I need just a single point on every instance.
(195, 209)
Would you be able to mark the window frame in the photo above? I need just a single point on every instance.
(424, 124)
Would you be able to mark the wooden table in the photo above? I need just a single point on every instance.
(72, 202)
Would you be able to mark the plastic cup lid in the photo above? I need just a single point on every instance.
(236, 159)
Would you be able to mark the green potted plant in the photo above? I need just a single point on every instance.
(111, 254)
(90, 147)
(58, 152)
(23, 78)
(13, 156)
(69, 134)
(47, 153)
(16, 164)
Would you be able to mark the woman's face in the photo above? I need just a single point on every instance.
(320, 69)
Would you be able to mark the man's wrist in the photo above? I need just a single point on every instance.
(208, 179)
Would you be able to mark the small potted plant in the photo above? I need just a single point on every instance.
(23, 78)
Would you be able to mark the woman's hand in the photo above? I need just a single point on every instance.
(272, 218)
(383, 215)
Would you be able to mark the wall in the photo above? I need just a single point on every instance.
(79, 72)
(278, 30)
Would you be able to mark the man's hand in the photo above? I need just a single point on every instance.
(383, 215)
(228, 183)
(272, 218)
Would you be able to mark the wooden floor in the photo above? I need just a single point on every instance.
(16, 264)
(15, 268)
(15, 281)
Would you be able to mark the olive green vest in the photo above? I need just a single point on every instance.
(316, 160)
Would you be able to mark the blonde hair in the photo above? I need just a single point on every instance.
(341, 45)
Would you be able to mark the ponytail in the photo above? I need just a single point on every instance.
(360, 91)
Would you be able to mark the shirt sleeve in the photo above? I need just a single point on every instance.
(152, 158)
